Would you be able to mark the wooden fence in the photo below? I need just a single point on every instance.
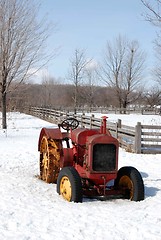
(138, 139)
(143, 110)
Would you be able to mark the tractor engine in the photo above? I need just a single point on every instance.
(96, 155)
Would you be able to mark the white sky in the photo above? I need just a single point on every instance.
(90, 24)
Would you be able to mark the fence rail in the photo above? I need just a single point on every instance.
(138, 139)
(143, 110)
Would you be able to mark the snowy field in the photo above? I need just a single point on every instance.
(132, 119)
(31, 208)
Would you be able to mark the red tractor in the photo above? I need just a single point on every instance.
(84, 162)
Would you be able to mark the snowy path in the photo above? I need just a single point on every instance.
(31, 209)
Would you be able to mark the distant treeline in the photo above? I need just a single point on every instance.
(61, 96)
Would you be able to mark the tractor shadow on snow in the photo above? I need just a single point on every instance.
(150, 191)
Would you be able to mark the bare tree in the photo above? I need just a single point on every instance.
(132, 76)
(152, 97)
(49, 89)
(122, 69)
(113, 61)
(89, 89)
(78, 65)
(22, 38)
(153, 16)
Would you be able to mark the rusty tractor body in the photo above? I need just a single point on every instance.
(84, 162)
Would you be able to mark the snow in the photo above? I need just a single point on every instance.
(132, 119)
(31, 208)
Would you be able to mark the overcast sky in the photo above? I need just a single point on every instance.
(89, 24)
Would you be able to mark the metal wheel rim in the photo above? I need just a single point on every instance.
(65, 188)
(45, 159)
(126, 184)
(50, 151)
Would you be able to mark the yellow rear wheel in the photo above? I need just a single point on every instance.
(50, 150)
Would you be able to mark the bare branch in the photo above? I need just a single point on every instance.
(122, 69)
(154, 15)
(78, 64)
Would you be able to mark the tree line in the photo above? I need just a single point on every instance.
(61, 96)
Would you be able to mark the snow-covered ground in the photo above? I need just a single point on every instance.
(31, 208)
(132, 119)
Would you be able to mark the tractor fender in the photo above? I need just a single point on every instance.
(50, 133)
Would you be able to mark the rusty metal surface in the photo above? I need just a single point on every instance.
(53, 133)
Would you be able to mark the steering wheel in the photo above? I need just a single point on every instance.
(69, 123)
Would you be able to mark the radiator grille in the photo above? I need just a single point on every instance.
(104, 157)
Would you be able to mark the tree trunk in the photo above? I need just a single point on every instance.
(4, 118)
(75, 100)
(124, 106)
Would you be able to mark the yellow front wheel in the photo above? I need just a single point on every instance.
(69, 184)
(66, 188)
(127, 184)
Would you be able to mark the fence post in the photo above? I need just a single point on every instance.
(118, 125)
(137, 145)
(91, 121)
(82, 119)
(67, 114)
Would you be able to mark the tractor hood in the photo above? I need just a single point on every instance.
(102, 138)
(80, 135)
